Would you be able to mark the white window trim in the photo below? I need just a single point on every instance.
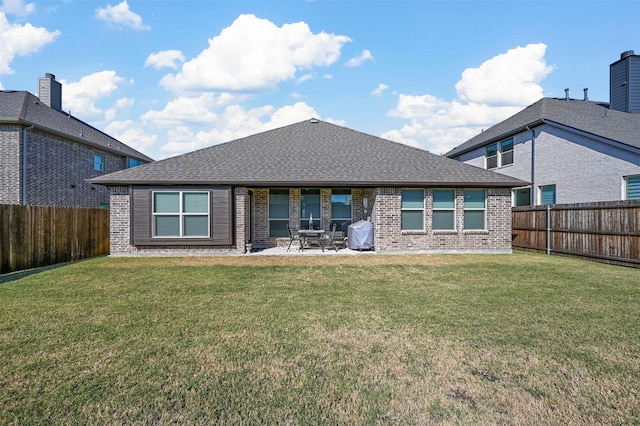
(483, 209)
(402, 209)
(499, 154)
(540, 193)
(625, 187)
(181, 214)
(452, 209)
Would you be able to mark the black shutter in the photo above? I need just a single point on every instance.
(221, 216)
(141, 215)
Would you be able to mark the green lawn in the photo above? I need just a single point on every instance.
(420, 339)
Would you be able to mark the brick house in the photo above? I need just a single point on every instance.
(247, 191)
(46, 155)
(572, 151)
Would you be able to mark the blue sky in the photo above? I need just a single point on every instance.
(169, 76)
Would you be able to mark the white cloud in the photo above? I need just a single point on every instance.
(255, 55)
(21, 40)
(122, 103)
(17, 7)
(166, 58)
(80, 97)
(497, 89)
(194, 110)
(379, 90)
(359, 60)
(508, 79)
(127, 133)
(233, 123)
(121, 16)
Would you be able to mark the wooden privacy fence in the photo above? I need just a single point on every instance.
(34, 236)
(606, 231)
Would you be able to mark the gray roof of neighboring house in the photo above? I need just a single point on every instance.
(23, 108)
(585, 116)
(310, 153)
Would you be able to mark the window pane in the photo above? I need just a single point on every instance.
(492, 150)
(196, 226)
(507, 145)
(279, 203)
(474, 198)
(278, 228)
(167, 226)
(341, 203)
(413, 199)
(507, 158)
(166, 202)
(310, 203)
(474, 219)
(195, 202)
(547, 195)
(442, 219)
(341, 225)
(412, 220)
(522, 197)
(633, 188)
(444, 199)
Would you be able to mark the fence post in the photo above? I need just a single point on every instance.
(548, 229)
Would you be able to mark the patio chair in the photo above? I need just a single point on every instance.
(333, 239)
(292, 237)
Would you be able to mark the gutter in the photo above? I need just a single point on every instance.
(532, 192)
(24, 163)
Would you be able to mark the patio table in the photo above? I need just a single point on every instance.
(311, 236)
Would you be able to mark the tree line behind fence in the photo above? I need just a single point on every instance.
(606, 231)
(34, 236)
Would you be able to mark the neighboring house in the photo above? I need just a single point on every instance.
(572, 151)
(46, 155)
(247, 191)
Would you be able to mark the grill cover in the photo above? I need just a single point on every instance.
(360, 235)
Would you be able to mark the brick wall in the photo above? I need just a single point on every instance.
(10, 164)
(57, 168)
(388, 235)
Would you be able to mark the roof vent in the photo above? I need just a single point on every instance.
(313, 120)
(566, 94)
(586, 97)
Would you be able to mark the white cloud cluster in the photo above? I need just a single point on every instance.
(255, 54)
(497, 89)
(17, 7)
(21, 40)
(80, 97)
(121, 16)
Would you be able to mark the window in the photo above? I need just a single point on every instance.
(278, 212)
(181, 214)
(499, 154)
(506, 152)
(132, 162)
(474, 209)
(547, 194)
(341, 203)
(522, 197)
(98, 163)
(632, 184)
(444, 209)
(310, 206)
(492, 156)
(412, 215)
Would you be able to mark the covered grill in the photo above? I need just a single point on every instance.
(360, 235)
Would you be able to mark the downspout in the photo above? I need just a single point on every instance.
(24, 164)
(532, 192)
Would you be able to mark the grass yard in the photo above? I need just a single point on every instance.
(419, 339)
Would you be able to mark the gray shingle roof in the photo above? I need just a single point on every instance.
(586, 116)
(24, 108)
(310, 153)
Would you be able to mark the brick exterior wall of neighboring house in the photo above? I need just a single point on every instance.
(10, 164)
(57, 168)
(582, 168)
